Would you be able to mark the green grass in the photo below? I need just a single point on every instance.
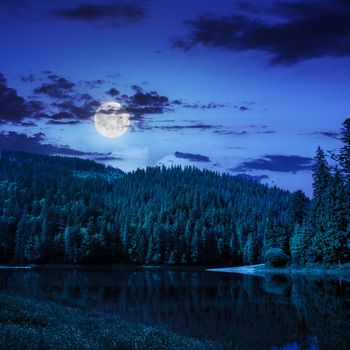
(31, 324)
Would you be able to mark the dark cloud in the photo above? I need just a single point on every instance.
(289, 31)
(197, 126)
(279, 163)
(94, 83)
(75, 105)
(115, 13)
(243, 108)
(83, 111)
(14, 108)
(192, 157)
(266, 132)
(69, 107)
(61, 115)
(149, 99)
(13, 141)
(257, 129)
(142, 103)
(136, 88)
(231, 132)
(211, 105)
(328, 134)
(257, 178)
(106, 158)
(113, 92)
(60, 122)
(58, 87)
(235, 147)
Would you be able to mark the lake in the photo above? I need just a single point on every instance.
(275, 312)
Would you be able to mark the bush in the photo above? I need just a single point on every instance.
(275, 257)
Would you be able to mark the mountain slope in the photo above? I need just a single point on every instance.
(56, 209)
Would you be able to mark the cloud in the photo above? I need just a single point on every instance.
(192, 157)
(290, 32)
(210, 105)
(60, 122)
(231, 132)
(58, 87)
(328, 134)
(279, 163)
(69, 106)
(198, 126)
(149, 99)
(145, 125)
(114, 14)
(106, 158)
(13, 141)
(255, 129)
(66, 103)
(61, 115)
(113, 92)
(136, 88)
(143, 103)
(83, 111)
(28, 78)
(92, 84)
(14, 108)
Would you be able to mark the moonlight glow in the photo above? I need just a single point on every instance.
(111, 120)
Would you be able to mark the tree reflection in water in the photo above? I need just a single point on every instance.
(256, 312)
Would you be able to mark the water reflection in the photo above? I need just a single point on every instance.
(263, 313)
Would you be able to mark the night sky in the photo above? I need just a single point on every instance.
(243, 87)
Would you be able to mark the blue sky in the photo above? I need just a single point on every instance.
(232, 86)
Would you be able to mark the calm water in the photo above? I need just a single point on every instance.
(262, 313)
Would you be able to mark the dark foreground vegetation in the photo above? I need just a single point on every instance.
(31, 324)
(56, 209)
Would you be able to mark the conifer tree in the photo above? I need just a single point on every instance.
(344, 155)
(298, 207)
(334, 248)
(250, 250)
(319, 210)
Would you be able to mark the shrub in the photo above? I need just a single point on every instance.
(275, 257)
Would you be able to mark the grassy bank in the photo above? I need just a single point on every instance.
(32, 324)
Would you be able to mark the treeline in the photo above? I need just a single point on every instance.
(71, 210)
(324, 234)
(76, 211)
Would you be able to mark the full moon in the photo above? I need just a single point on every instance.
(111, 120)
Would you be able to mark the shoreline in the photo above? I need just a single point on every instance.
(5, 267)
(262, 270)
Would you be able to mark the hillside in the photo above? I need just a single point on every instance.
(56, 209)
